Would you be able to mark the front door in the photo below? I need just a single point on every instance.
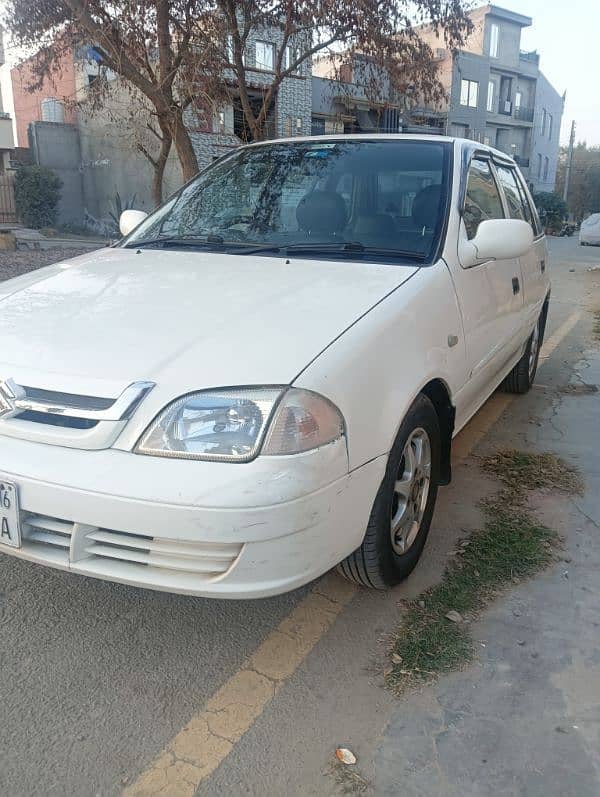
(490, 295)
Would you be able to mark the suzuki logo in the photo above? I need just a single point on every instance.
(9, 393)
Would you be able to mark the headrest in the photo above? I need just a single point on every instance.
(426, 204)
(322, 212)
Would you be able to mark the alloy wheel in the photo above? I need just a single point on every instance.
(411, 491)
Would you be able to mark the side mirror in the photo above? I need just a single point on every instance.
(496, 239)
(130, 219)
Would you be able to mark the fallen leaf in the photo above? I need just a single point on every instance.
(454, 616)
(345, 756)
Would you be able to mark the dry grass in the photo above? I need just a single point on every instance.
(511, 545)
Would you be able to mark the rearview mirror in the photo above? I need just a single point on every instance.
(129, 220)
(496, 239)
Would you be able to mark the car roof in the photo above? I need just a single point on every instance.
(465, 144)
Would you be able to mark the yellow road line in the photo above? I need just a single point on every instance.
(208, 738)
(198, 749)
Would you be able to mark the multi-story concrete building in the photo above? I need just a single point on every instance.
(350, 95)
(497, 94)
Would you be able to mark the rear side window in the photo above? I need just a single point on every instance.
(482, 199)
(532, 217)
(517, 209)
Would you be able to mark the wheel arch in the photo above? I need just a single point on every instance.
(438, 393)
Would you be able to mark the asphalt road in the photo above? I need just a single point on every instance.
(96, 679)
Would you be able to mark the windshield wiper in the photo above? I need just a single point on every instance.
(180, 240)
(350, 248)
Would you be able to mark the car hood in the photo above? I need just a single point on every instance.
(184, 320)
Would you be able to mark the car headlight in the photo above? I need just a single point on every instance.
(233, 425)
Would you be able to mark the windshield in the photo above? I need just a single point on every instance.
(336, 197)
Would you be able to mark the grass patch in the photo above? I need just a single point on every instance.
(512, 545)
(520, 471)
(350, 781)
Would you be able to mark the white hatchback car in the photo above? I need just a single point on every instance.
(263, 379)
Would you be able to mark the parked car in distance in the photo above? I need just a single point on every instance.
(589, 231)
(263, 378)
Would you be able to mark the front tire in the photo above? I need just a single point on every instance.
(403, 508)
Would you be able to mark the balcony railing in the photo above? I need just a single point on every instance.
(507, 108)
(524, 114)
(532, 56)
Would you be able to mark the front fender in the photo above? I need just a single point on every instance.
(375, 370)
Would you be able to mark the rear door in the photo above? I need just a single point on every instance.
(533, 264)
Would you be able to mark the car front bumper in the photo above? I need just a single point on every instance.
(199, 528)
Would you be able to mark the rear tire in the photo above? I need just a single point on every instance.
(403, 508)
(521, 378)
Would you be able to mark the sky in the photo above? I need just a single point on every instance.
(566, 33)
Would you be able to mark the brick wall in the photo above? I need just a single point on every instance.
(28, 105)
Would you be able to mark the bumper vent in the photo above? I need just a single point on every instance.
(44, 530)
(200, 558)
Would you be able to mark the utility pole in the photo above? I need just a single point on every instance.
(569, 161)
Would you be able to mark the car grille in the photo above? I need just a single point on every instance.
(114, 554)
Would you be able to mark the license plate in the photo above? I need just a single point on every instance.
(10, 527)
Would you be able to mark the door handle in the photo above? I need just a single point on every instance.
(516, 286)
(542, 266)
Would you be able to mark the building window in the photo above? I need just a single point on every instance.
(518, 98)
(289, 57)
(539, 166)
(494, 41)
(549, 126)
(490, 96)
(543, 122)
(265, 56)
(546, 167)
(468, 93)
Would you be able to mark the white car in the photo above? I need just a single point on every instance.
(589, 231)
(263, 379)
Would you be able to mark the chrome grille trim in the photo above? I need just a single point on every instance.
(91, 408)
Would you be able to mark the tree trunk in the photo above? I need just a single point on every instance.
(159, 168)
(183, 144)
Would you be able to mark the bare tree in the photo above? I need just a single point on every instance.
(172, 50)
(383, 33)
(155, 45)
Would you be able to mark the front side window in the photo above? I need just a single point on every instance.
(482, 199)
(494, 35)
(508, 181)
(338, 196)
(469, 90)
(265, 56)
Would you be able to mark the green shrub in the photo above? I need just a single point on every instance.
(37, 193)
(551, 208)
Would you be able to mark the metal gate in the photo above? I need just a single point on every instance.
(8, 210)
